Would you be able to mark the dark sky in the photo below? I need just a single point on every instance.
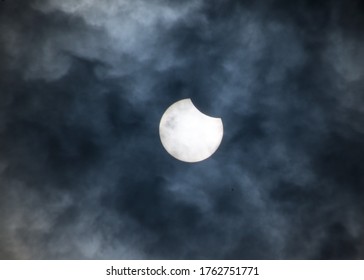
(83, 85)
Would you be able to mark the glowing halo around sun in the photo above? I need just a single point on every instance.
(189, 135)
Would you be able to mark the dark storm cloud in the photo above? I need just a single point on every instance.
(83, 87)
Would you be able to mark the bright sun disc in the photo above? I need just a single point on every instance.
(189, 135)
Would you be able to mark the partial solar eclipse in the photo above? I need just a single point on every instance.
(189, 135)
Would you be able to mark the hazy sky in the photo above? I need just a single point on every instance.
(83, 85)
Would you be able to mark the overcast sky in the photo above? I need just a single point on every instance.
(83, 85)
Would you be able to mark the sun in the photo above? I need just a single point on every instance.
(189, 135)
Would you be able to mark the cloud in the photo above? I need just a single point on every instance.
(83, 87)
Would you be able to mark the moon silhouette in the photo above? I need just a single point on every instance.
(189, 135)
